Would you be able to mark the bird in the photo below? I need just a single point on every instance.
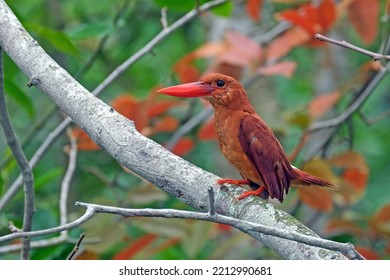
(245, 140)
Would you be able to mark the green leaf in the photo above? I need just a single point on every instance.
(56, 38)
(42, 179)
(177, 5)
(224, 10)
(91, 30)
(16, 93)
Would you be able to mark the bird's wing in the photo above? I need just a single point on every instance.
(267, 155)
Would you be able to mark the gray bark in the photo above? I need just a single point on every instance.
(118, 137)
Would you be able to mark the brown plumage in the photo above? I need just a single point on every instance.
(245, 139)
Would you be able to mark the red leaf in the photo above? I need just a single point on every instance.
(284, 68)
(365, 19)
(312, 18)
(224, 227)
(368, 253)
(207, 131)
(183, 146)
(323, 103)
(298, 19)
(253, 9)
(136, 246)
(327, 14)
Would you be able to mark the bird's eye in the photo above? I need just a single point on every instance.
(220, 83)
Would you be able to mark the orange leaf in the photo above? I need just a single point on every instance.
(284, 68)
(348, 159)
(368, 253)
(207, 131)
(186, 71)
(126, 105)
(183, 146)
(249, 50)
(323, 103)
(383, 215)
(343, 225)
(283, 44)
(354, 175)
(137, 245)
(165, 124)
(87, 255)
(365, 19)
(210, 49)
(253, 9)
(316, 198)
(155, 110)
(357, 177)
(84, 142)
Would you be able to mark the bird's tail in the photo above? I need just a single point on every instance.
(303, 178)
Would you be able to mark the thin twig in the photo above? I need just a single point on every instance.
(188, 126)
(164, 20)
(91, 209)
(44, 243)
(345, 248)
(22, 162)
(76, 247)
(54, 135)
(375, 119)
(65, 185)
(93, 58)
(89, 213)
(344, 44)
(356, 105)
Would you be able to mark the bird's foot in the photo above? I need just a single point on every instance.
(233, 182)
(258, 192)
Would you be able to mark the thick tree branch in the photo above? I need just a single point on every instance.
(118, 136)
(54, 135)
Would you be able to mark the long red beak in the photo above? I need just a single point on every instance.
(197, 89)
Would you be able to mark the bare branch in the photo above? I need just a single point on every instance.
(344, 44)
(345, 248)
(164, 20)
(22, 162)
(118, 137)
(188, 126)
(375, 119)
(65, 185)
(356, 105)
(89, 213)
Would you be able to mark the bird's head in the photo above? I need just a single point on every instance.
(218, 89)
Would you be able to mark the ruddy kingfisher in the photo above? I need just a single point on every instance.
(245, 140)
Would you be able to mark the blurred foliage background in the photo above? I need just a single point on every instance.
(292, 80)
